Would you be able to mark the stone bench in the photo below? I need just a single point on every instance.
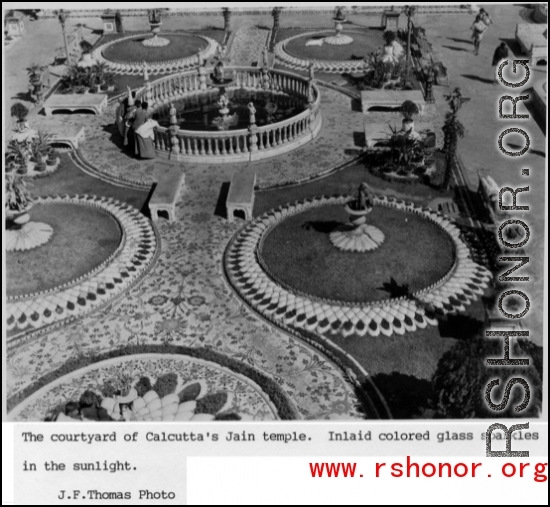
(391, 99)
(380, 133)
(94, 102)
(70, 136)
(166, 193)
(445, 205)
(533, 40)
(241, 194)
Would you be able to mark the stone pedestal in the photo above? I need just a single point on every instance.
(15, 26)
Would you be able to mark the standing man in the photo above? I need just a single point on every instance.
(501, 53)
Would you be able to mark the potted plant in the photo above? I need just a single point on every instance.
(18, 155)
(362, 205)
(409, 109)
(20, 112)
(18, 199)
(110, 81)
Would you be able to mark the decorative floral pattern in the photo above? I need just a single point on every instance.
(196, 380)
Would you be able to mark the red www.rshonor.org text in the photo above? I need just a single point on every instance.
(412, 469)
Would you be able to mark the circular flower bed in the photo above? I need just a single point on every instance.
(457, 283)
(124, 260)
(294, 53)
(127, 54)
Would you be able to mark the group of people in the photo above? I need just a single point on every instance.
(479, 27)
(137, 126)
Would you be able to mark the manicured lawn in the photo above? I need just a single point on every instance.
(69, 179)
(415, 252)
(83, 238)
(132, 50)
(364, 42)
(345, 181)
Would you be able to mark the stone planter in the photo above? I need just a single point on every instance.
(20, 217)
(357, 217)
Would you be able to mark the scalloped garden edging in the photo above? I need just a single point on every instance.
(329, 66)
(464, 283)
(163, 67)
(133, 258)
(274, 397)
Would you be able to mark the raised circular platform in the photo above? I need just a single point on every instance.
(125, 266)
(161, 387)
(127, 54)
(343, 53)
(464, 281)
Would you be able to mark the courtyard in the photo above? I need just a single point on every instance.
(353, 276)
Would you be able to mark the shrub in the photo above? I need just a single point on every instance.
(166, 384)
(19, 111)
(462, 375)
(93, 89)
(143, 386)
(389, 37)
(409, 109)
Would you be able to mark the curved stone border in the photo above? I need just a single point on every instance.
(330, 66)
(464, 283)
(134, 257)
(168, 66)
(41, 393)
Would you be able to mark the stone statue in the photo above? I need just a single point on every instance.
(252, 111)
(145, 72)
(455, 100)
(312, 71)
(223, 101)
(220, 51)
(219, 72)
(265, 56)
(154, 16)
(340, 13)
(173, 114)
(365, 197)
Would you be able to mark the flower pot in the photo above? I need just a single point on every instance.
(22, 170)
(19, 216)
(40, 167)
(407, 125)
(51, 161)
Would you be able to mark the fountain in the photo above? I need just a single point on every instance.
(360, 236)
(220, 81)
(338, 39)
(154, 23)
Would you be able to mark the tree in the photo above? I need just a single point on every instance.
(118, 22)
(462, 375)
(453, 129)
(409, 11)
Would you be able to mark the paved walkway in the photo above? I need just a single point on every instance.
(478, 150)
(247, 46)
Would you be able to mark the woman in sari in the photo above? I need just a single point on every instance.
(145, 139)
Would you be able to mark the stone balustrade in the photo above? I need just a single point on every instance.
(252, 143)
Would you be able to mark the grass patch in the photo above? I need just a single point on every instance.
(364, 42)
(415, 253)
(344, 181)
(69, 179)
(83, 238)
(132, 50)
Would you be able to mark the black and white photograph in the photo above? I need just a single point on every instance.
(274, 213)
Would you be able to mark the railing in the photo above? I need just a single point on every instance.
(252, 143)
